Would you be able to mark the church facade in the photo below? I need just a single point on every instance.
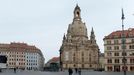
(77, 50)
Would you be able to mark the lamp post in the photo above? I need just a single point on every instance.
(123, 44)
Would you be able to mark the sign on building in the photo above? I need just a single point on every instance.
(3, 61)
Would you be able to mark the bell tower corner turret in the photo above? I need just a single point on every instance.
(77, 13)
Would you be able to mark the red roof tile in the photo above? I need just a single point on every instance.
(118, 34)
(54, 59)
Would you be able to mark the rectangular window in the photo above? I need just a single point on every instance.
(108, 42)
(109, 61)
(131, 46)
(116, 61)
(116, 42)
(132, 40)
(131, 60)
(116, 54)
(132, 68)
(109, 54)
(109, 48)
(132, 54)
(116, 47)
(124, 54)
(66, 56)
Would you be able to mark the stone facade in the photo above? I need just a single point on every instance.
(101, 61)
(113, 48)
(77, 51)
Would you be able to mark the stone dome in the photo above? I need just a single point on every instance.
(77, 28)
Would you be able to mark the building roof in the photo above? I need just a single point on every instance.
(18, 47)
(54, 60)
(118, 34)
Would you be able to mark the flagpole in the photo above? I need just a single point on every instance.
(123, 43)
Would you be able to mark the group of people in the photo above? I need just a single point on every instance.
(70, 71)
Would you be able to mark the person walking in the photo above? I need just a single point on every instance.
(76, 70)
(79, 71)
(70, 71)
(14, 70)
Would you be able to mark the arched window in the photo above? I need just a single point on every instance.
(78, 13)
(109, 68)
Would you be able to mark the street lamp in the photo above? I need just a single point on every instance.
(123, 43)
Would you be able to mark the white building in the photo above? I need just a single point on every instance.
(114, 51)
(34, 61)
(22, 56)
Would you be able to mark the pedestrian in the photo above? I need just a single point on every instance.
(70, 71)
(14, 70)
(0, 70)
(76, 70)
(79, 71)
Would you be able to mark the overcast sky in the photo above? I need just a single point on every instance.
(43, 22)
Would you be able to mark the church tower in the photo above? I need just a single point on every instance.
(77, 51)
(92, 37)
(77, 13)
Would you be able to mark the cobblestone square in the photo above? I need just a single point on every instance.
(64, 73)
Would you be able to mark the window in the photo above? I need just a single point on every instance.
(132, 40)
(131, 60)
(124, 54)
(124, 67)
(109, 68)
(116, 47)
(82, 53)
(108, 42)
(109, 48)
(109, 54)
(131, 46)
(132, 68)
(116, 54)
(132, 54)
(89, 59)
(77, 14)
(82, 59)
(116, 61)
(109, 61)
(116, 42)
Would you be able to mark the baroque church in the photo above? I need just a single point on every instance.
(77, 50)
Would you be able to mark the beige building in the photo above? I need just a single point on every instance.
(22, 56)
(77, 51)
(114, 52)
(101, 61)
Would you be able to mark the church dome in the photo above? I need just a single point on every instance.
(77, 28)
